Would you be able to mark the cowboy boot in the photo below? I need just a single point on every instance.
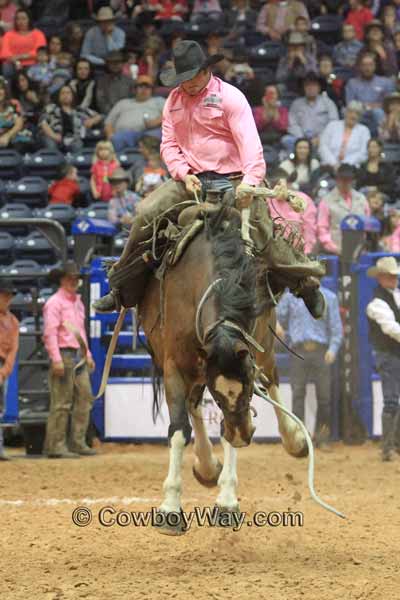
(290, 267)
(297, 272)
(388, 425)
(111, 301)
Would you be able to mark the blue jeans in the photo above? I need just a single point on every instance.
(129, 139)
(388, 367)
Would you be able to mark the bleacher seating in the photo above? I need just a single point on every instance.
(44, 163)
(31, 191)
(11, 164)
(266, 54)
(327, 28)
(15, 210)
(63, 213)
(7, 243)
(83, 161)
(97, 210)
(35, 246)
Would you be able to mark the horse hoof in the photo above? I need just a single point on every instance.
(227, 517)
(170, 523)
(208, 483)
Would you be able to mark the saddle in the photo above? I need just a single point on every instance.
(163, 250)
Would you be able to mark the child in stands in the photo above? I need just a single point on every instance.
(153, 175)
(66, 190)
(104, 164)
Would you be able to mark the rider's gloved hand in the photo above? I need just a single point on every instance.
(192, 183)
(243, 195)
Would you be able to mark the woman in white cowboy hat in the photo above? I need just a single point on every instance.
(384, 329)
(104, 37)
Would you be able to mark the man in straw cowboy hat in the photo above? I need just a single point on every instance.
(9, 336)
(384, 326)
(70, 363)
(210, 143)
(103, 38)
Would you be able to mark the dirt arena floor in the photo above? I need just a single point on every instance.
(45, 556)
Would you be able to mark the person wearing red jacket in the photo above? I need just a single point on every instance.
(359, 16)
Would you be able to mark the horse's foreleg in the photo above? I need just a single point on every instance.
(207, 467)
(292, 436)
(227, 498)
(179, 434)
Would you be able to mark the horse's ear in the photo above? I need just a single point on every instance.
(241, 350)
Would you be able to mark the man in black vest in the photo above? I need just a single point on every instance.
(384, 324)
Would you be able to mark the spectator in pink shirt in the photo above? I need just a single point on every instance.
(343, 200)
(7, 14)
(271, 118)
(282, 213)
(70, 364)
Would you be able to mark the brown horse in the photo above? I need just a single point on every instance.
(221, 288)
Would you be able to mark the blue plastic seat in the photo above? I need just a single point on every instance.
(11, 164)
(83, 161)
(97, 210)
(45, 163)
(7, 243)
(63, 213)
(15, 211)
(128, 157)
(36, 247)
(266, 54)
(327, 28)
(31, 191)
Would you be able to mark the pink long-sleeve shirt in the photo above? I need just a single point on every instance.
(212, 131)
(60, 308)
(324, 224)
(280, 211)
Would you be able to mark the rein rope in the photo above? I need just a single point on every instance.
(262, 392)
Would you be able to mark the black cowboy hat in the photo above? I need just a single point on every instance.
(189, 60)
(68, 268)
(7, 287)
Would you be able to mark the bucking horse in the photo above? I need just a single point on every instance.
(209, 322)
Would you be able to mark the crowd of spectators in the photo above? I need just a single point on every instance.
(322, 79)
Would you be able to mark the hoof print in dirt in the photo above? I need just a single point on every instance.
(171, 523)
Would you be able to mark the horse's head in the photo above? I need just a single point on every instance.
(230, 378)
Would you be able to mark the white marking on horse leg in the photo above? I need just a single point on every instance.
(173, 484)
(205, 461)
(292, 436)
(227, 497)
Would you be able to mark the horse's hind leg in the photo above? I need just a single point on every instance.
(179, 434)
(292, 436)
(207, 467)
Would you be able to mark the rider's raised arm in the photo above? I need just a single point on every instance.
(245, 135)
(170, 151)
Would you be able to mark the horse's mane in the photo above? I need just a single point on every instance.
(236, 295)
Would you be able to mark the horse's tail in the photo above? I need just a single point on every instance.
(156, 380)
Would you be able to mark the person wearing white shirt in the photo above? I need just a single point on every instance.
(345, 141)
(384, 327)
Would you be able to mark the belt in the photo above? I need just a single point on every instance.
(311, 346)
(72, 351)
(213, 175)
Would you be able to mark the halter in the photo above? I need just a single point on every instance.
(203, 337)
